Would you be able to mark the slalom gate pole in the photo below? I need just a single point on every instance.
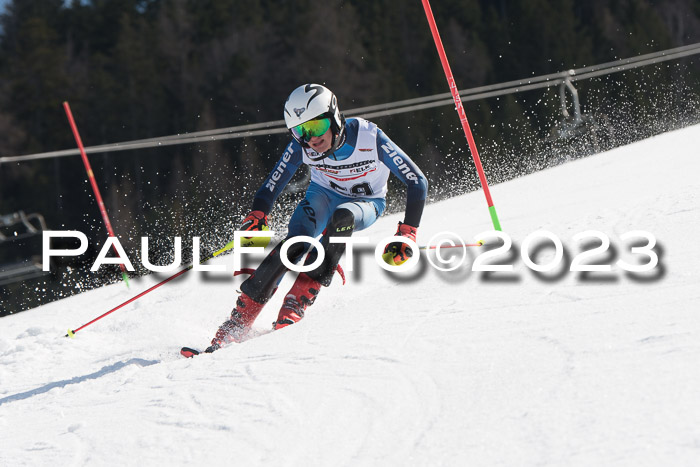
(460, 111)
(93, 182)
(71, 332)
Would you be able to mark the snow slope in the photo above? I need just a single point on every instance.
(423, 368)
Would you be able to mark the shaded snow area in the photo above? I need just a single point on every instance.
(422, 368)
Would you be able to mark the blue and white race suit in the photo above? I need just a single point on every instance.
(354, 177)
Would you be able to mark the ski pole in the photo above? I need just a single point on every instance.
(93, 182)
(451, 246)
(460, 111)
(71, 332)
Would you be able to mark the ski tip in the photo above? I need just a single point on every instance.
(188, 352)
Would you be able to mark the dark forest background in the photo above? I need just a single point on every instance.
(136, 69)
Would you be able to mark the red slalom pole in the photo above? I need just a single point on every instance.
(93, 182)
(460, 111)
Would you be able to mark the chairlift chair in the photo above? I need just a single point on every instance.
(20, 247)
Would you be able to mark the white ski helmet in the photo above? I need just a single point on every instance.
(313, 102)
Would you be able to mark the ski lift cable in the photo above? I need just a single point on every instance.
(379, 110)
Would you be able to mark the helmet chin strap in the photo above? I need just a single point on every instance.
(338, 141)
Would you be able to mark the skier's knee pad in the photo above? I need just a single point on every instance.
(342, 223)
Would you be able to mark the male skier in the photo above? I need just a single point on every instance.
(350, 162)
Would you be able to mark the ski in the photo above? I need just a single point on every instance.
(189, 352)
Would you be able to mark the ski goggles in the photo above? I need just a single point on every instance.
(307, 130)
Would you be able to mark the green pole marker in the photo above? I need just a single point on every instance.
(494, 218)
(126, 279)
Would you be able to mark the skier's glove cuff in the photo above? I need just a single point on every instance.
(397, 253)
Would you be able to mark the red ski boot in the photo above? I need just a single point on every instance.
(237, 326)
(302, 294)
